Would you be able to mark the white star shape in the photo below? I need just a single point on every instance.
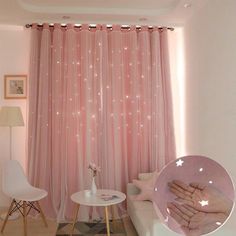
(203, 203)
(179, 162)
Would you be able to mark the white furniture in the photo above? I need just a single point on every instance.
(143, 215)
(99, 199)
(11, 117)
(25, 197)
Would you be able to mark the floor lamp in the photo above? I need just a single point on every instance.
(11, 117)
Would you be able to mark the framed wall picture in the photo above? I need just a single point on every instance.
(15, 86)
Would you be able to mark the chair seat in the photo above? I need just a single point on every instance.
(30, 194)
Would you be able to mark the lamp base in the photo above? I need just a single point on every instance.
(13, 216)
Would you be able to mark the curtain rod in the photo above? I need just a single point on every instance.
(108, 26)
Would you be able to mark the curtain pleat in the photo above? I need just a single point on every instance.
(97, 95)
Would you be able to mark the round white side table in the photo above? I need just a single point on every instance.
(103, 197)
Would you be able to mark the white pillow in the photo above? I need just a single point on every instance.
(146, 186)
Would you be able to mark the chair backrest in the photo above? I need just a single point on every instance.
(13, 179)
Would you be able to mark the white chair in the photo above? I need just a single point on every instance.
(24, 196)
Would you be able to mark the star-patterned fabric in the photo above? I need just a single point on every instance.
(97, 95)
(195, 171)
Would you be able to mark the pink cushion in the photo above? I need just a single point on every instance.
(146, 188)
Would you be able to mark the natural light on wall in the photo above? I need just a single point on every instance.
(177, 64)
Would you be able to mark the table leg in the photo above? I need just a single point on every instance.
(107, 220)
(75, 219)
(113, 217)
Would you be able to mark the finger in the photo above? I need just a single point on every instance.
(181, 211)
(173, 185)
(199, 186)
(177, 217)
(178, 188)
(184, 186)
(190, 208)
(178, 210)
(185, 210)
(184, 201)
(179, 194)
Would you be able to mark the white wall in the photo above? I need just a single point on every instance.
(177, 69)
(14, 59)
(210, 40)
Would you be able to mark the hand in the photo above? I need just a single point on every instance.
(201, 197)
(194, 222)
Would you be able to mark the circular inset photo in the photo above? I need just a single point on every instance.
(193, 195)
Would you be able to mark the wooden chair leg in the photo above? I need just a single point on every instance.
(42, 214)
(75, 219)
(9, 210)
(25, 218)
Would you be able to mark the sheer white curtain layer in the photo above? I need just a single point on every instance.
(96, 95)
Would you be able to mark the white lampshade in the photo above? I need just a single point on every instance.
(11, 116)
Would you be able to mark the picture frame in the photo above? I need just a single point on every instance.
(15, 86)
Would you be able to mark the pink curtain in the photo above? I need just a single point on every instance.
(99, 95)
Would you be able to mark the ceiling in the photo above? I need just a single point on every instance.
(139, 12)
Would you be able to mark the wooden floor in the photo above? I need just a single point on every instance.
(37, 228)
(129, 227)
